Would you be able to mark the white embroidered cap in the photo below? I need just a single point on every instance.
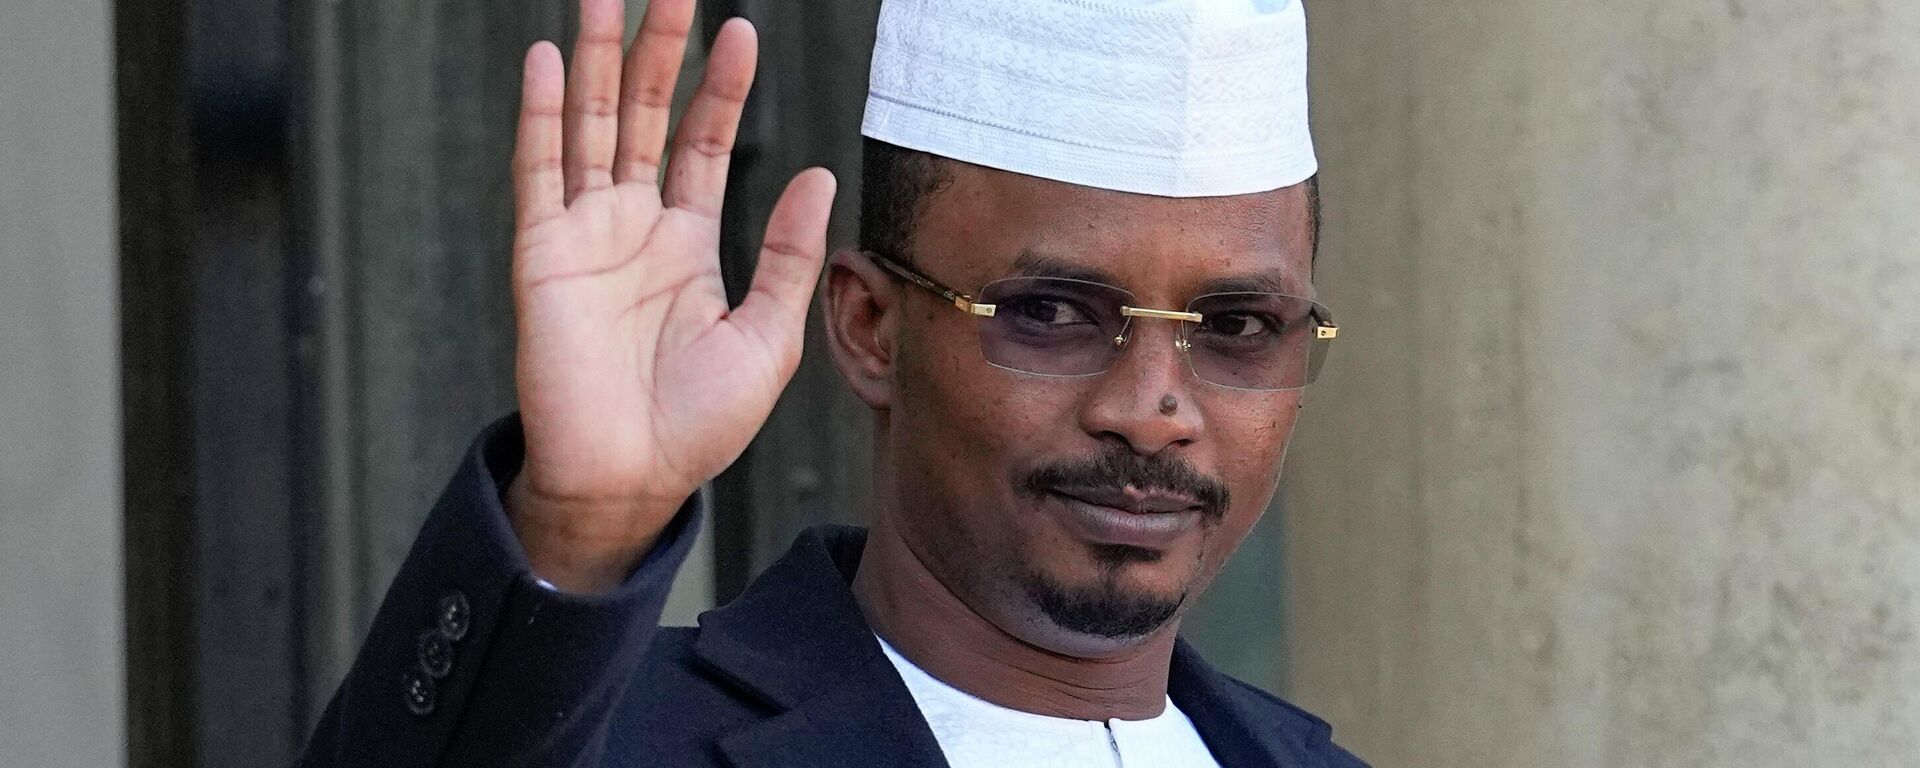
(1179, 98)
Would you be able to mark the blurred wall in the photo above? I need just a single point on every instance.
(315, 232)
(60, 626)
(1619, 461)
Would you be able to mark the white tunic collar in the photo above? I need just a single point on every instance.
(975, 733)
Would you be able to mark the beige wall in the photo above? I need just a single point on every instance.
(61, 664)
(1619, 461)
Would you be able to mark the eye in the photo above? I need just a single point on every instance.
(1050, 311)
(1239, 324)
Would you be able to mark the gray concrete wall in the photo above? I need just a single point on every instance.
(61, 686)
(1618, 463)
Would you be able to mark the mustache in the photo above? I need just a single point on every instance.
(1119, 468)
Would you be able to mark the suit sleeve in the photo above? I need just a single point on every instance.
(471, 661)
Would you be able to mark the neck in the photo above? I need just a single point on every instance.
(906, 604)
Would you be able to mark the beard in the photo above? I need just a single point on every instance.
(1104, 609)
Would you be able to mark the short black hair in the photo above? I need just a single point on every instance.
(1313, 216)
(895, 182)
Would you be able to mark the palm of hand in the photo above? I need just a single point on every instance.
(637, 383)
(627, 360)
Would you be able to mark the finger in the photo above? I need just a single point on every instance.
(593, 96)
(697, 175)
(775, 308)
(646, 90)
(537, 178)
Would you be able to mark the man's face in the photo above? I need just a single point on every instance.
(1023, 493)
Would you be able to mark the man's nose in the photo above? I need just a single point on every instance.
(1146, 398)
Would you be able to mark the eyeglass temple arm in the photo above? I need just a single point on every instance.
(960, 300)
(1323, 323)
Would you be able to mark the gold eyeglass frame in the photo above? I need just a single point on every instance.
(1324, 329)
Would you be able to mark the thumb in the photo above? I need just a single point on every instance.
(775, 308)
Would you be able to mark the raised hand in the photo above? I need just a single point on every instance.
(636, 381)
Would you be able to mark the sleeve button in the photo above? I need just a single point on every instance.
(421, 696)
(436, 654)
(453, 616)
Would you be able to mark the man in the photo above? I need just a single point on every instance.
(1081, 316)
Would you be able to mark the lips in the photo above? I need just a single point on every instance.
(1129, 516)
(1132, 499)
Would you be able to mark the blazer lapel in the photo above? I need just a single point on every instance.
(849, 725)
(797, 642)
(1242, 726)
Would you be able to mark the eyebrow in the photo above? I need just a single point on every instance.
(1033, 263)
(1273, 281)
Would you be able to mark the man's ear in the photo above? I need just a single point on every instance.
(860, 324)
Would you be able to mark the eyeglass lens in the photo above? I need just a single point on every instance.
(1062, 327)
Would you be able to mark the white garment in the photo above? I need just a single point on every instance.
(974, 733)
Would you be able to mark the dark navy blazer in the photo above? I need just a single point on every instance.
(472, 662)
